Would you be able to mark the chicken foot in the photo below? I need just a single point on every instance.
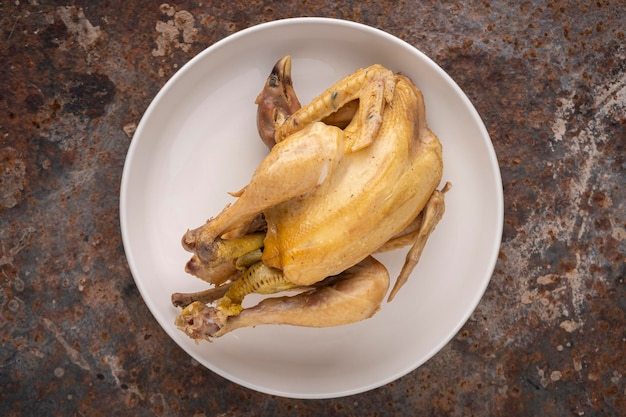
(233, 258)
(206, 296)
(354, 295)
(373, 87)
(258, 279)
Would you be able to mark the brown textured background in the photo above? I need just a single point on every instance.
(548, 338)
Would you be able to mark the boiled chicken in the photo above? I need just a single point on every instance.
(350, 174)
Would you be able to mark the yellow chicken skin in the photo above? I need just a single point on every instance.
(352, 173)
(369, 195)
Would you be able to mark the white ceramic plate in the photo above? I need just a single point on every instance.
(198, 140)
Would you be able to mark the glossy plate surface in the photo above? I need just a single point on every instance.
(198, 140)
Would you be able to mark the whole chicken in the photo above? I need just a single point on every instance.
(352, 173)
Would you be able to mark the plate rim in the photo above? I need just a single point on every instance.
(495, 173)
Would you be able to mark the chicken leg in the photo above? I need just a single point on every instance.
(356, 294)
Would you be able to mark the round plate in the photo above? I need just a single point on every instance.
(198, 140)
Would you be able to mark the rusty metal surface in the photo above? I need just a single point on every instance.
(548, 338)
